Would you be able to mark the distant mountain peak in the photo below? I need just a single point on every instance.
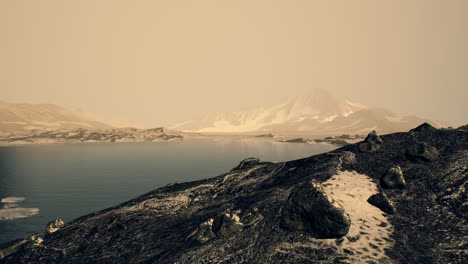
(315, 111)
(14, 117)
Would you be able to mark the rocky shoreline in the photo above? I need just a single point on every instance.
(342, 140)
(397, 198)
(82, 135)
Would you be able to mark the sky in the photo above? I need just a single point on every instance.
(161, 62)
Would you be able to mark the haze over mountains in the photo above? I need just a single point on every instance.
(18, 117)
(318, 112)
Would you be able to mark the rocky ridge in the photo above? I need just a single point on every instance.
(264, 212)
(89, 135)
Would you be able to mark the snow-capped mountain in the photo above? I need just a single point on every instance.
(318, 111)
(16, 117)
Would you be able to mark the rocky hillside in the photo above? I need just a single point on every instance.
(398, 198)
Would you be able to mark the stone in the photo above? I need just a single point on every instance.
(381, 201)
(371, 143)
(425, 127)
(229, 225)
(247, 163)
(265, 136)
(393, 179)
(422, 152)
(309, 209)
(204, 232)
(296, 140)
(54, 225)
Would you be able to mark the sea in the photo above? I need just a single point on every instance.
(71, 180)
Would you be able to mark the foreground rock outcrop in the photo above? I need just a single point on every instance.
(310, 209)
(265, 212)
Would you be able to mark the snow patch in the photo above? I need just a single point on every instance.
(12, 200)
(370, 230)
(10, 210)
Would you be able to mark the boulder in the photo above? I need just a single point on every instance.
(247, 163)
(381, 201)
(228, 225)
(425, 127)
(54, 225)
(204, 232)
(371, 143)
(309, 209)
(422, 152)
(393, 179)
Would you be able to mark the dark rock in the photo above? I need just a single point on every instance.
(371, 143)
(393, 179)
(381, 201)
(464, 127)
(252, 218)
(229, 225)
(54, 225)
(225, 226)
(28, 243)
(265, 136)
(204, 232)
(422, 152)
(309, 209)
(425, 127)
(344, 136)
(12, 247)
(296, 140)
(247, 163)
(157, 130)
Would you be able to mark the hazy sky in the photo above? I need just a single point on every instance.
(159, 62)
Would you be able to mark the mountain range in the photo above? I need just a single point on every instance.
(19, 117)
(317, 112)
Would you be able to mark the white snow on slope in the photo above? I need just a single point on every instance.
(318, 112)
(9, 209)
(370, 230)
(318, 106)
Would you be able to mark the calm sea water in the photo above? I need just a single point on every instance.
(69, 180)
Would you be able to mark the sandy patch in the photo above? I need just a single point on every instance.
(370, 230)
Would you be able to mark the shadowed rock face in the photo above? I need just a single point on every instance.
(429, 225)
(309, 209)
(422, 152)
(371, 143)
(204, 232)
(381, 201)
(425, 127)
(393, 179)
